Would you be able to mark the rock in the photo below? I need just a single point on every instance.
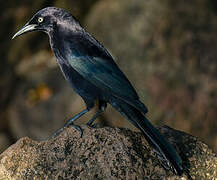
(103, 153)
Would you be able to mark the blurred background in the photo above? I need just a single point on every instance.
(167, 49)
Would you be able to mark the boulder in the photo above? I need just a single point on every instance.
(104, 153)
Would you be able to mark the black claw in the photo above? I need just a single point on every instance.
(79, 129)
(57, 133)
(95, 125)
(61, 129)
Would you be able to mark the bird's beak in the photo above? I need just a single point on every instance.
(26, 28)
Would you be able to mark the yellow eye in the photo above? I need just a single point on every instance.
(40, 19)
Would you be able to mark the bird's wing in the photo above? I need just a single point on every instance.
(107, 76)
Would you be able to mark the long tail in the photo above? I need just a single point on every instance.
(165, 152)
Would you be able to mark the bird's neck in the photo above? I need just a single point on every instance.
(59, 44)
(56, 45)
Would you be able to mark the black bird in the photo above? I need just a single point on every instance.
(94, 75)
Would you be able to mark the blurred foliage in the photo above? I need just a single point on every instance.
(38, 94)
(166, 48)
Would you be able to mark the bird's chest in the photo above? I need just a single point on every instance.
(78, 83)
(65, 53)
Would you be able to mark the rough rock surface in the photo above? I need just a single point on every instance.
(103, 153)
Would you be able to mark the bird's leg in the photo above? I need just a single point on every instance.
(70, 123)
(102, 107)
(90, 122)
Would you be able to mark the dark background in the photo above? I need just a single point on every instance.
(167, 49)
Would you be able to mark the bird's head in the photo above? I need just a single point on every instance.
(47, 20)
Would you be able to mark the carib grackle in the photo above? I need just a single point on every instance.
(94, 75)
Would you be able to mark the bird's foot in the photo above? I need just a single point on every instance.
(72, 125)
(95, 125)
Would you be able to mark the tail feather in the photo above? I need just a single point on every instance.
(165, 152)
